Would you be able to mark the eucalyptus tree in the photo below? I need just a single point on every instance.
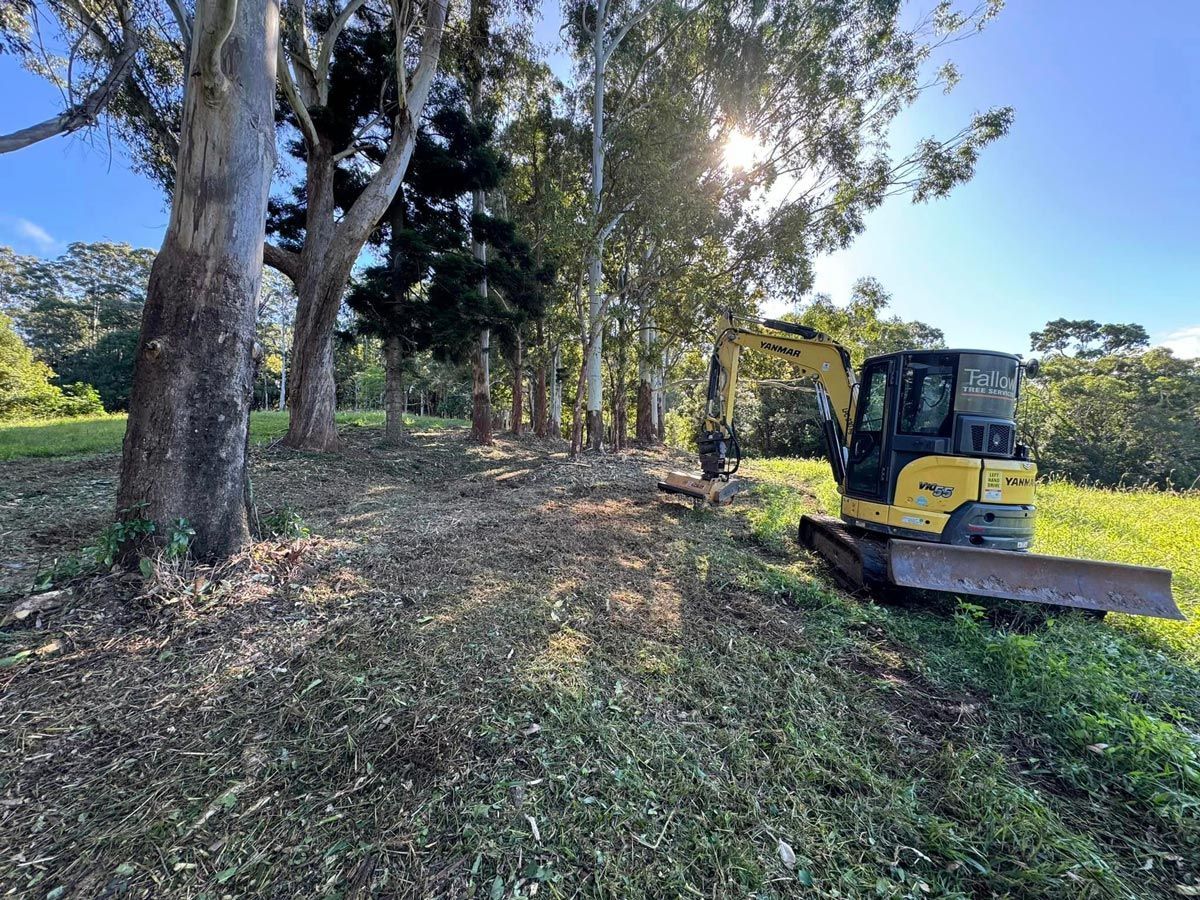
(545, 195)
(185, 449)
(812, 87)
(356, 79)
(599, 28)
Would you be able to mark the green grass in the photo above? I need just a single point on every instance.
(103, 434)
(1108, 712)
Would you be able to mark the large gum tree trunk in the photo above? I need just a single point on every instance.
(186, 441)
(593, 350)
(312, 400)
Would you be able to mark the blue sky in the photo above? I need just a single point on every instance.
(1090, 207)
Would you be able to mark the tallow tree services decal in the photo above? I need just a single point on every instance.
(987, 386)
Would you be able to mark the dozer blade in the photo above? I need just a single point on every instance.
(716, 491)
(1054, 580)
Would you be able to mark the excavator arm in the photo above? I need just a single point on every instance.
(815, 356)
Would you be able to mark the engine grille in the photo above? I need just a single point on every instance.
(1001, 439)
(987, 438)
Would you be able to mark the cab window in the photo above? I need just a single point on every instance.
(927, 396)
(872, 401)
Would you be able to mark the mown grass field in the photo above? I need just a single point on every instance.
(495, 672)
(103, 434)
(1144, 527)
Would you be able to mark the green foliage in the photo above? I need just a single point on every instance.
(779, 420)
(26, 389)
(108, 367)
(1114, 412)
(286, 523)
(863, 327)
(1087, 338)
(179, 539)
(428, 293)
(80, 313)
(130, 528)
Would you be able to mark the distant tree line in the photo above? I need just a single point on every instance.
(77, 318)
(1107, 407)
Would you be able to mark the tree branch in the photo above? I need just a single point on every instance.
(83, 113)
(365, 213)
(286, 262)
(184, 21)
(288, 85)
(216, 33)
(325, 52)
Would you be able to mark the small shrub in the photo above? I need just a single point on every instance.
(179, 539)
(115, 538)
(285, 523)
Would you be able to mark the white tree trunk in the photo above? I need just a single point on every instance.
(186, 441)
(555, 426)
(594, 350)
(283, 348)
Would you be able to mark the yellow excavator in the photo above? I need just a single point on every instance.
(937, 494)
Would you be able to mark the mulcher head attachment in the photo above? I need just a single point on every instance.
(716, 491)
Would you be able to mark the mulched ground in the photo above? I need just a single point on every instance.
(151, 720)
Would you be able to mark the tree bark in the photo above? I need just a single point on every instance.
(660, 404)
(592, 352)
(554, 419)
(577, 423)
(187, 438)
(647, 411)
(312, 400)
(619, 416)
(481, 397)
(393, 392)
(540, 414)
(518, 393)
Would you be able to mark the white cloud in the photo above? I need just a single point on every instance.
(36, 233)
(1185, 342)
(29, 236)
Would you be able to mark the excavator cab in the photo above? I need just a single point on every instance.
(933, 451)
